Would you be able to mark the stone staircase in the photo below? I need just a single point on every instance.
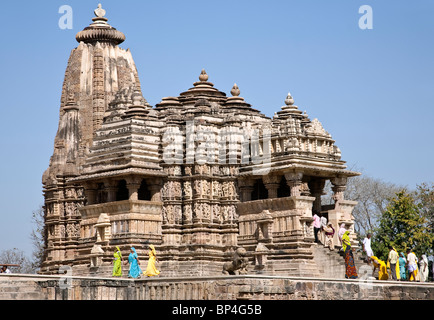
(331, 264)
(20, 288)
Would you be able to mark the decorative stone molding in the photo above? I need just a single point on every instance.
(265, 226)
(103, 227)
(96, 256)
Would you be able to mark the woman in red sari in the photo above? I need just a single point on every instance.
(350, 268)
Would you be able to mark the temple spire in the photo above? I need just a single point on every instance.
(289, 108)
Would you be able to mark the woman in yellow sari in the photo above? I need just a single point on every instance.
(382, 268)
(151, 270)
(117, 266)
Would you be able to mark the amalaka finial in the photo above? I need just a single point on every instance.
(289, 100)
(235, 90)
(99, 12)
(100, 31)
(203, 76)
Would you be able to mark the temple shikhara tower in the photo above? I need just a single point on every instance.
(198, 176)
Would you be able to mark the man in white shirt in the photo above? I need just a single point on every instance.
(367, 247)
(411, 264)
(5, 270)
(393, 260)
(316, 226)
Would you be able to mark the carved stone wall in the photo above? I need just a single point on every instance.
(209, 288)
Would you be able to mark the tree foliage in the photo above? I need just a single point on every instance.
(16, 256)
(37, 236)
(372, 196)
(425, 196)
(403, 226)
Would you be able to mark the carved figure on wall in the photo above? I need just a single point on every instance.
(177, 214)
(215, 189)
(187, 189)
(188, 215)
(239, 263)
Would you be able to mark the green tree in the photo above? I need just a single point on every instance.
(425, 196)
(403, 226)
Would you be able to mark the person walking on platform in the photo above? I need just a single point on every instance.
(393, 263)
(133, 260)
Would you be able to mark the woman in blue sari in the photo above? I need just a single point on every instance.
(402, 263)
(133, 260)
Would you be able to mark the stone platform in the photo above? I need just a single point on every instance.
(246, 287)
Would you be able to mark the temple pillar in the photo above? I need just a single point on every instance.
(339, 186)
(133, 186)
(272, 183)
(90, 191)
(111, 187)
(293, 179)
(155, 188)
(316, 190)
(246, 189)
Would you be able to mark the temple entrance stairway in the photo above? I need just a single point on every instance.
(331, 264)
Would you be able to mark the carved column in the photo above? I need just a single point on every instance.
(133, 185)
(111, 187)
(246, 188)
(90, 190)
(155, 186)
(339, 186)
(316, 189)
(272, 183)
(293, 179)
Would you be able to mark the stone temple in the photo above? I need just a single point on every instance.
(198, 175)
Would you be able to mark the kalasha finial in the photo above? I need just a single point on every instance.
(99, 12)
(235, 90)
(289, 100)
(203, 76)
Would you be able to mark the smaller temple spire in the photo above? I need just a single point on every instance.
(289, 108)
(236, 102)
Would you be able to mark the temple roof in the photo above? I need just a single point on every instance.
(289, 109)
(100, 30)
(202, 88)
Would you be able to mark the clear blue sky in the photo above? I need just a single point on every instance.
(371, 89)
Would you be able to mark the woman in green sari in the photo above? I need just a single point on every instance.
(117, 266)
